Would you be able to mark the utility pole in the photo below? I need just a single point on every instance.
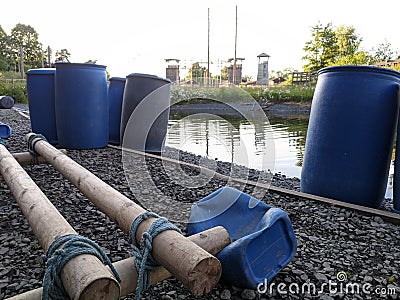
(234, 58)
(208, 50)
(21, 61)
(49, 56)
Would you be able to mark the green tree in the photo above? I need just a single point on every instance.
(26, 38)
(62, 55)
(3, 50)
(224, 73)
(331, 46)
(348, 41)
(196, 71)
(383, 52)
(322, 49)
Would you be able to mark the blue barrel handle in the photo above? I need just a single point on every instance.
(5, 131)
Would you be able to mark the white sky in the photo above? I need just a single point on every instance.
(136, 36)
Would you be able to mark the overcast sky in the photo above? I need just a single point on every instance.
(136, 36)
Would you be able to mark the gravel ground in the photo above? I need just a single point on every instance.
(330, 239)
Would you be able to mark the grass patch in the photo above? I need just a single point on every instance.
(275, 94)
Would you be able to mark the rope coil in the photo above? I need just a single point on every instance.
(144, 262)
(32, 140)
(55, 259)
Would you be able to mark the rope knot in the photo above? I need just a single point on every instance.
(55, 259)
(3, 142)
(32, 140)
(144, 262)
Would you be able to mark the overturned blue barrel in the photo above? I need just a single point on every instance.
(40, 87)
(145, 112)
(6, 102)
(115, 96)
(263, 239)
(81, 105)
(351, 133)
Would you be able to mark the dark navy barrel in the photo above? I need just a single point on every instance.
(351, 134)
(81, 105)
(6, 102)
(115, 96)
(145, 112)
(41, 100)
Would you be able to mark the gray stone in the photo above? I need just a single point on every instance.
(248, 294)
(368, 278)
(320, 277)
(225, 295)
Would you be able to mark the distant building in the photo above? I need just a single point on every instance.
(262, 74)
(278, 80)
(172, 70)
(392, 63)
(235, 76)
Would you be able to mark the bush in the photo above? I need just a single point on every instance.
(15, 89)
(284, 93)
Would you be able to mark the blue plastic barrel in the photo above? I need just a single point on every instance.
(81, 105)
(263, 239)
(5, 131)
(351, 133)
(145, 112)
(115, 96)
(41, 100)
(6, 102)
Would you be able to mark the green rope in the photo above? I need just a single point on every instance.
(3, 142)
(33, 139)
(144, 262)
(56, 259)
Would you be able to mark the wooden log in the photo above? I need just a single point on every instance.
(212, 240)
(198, 270)
(81, 275)
(25, 158)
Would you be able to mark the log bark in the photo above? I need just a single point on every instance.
(80, 273)
(212, 240)
(198, 270)
(25, 158)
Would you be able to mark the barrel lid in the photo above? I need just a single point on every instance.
(84, 65)
(41, 71)
(148, 76)
(356, 68)
(117, 78)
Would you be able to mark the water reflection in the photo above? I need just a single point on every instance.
(234, 139)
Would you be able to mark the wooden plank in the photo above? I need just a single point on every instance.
(385, 215)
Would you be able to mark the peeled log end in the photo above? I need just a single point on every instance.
(205, 276)
(101, 289)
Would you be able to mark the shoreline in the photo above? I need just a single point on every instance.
(273, 109)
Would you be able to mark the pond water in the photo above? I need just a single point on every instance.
(233, 139)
